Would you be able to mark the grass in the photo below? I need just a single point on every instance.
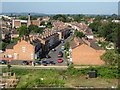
(47, 77)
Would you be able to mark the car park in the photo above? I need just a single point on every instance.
(25, 63)
(60, 60)
(3, 61)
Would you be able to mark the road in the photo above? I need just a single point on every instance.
(55, 53)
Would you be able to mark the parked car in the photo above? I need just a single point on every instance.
(44, 62)
(3, 61)
(30, 63)
(48, 56)
(60, 54)
(60, 60)
(53, 49)
(37, 63)
(50, 62)
(62, 41)
(25, 63)
(63, 48)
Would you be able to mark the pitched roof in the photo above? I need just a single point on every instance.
(10, 46)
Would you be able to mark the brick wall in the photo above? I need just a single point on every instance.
(17, 23)
(30, 49)
(85, 55)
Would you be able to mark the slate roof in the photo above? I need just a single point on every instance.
(10, 46)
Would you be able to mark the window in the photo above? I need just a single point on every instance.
(15, 55)
(23, 49)
(9, 56)
(32, 56)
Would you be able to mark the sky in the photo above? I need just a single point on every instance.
(62, 7)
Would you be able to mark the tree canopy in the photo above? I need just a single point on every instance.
(78, 34)
(110, 57)
(23, 31)
(35, 29)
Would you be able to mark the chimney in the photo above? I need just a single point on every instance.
(28, 23)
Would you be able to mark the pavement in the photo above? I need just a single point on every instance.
(40, 67)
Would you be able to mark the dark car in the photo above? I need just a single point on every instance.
(60, 60)
(3, 61)
(37, 63)
(51, 62)
(44, 62)
(48, 56)
(62, 41)
(25, 63)
(60, 54)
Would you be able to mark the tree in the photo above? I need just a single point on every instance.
(33, 28)
(23, 31)
(61, 17)
(110, 57)
(42, 23)
(3, 45)
(78, 34)
(23, 17)
(78, 17)
(67, 45)
(7, 38)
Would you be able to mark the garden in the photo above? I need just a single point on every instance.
(69, 78)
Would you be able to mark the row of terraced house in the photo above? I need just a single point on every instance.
(34, 46)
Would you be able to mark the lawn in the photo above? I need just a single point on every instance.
(54, 77)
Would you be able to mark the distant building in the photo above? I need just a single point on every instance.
(19, 23)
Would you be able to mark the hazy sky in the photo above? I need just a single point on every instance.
(62, 7)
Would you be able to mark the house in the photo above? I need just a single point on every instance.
(24, 49)
(83, 54)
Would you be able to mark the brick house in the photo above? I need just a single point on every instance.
(19, 23)
(27, 49)
(83, 54)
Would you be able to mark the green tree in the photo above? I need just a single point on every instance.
(42, 23)
(61, 17)
(110, 57)
(78, 17)
(78, 34)
(23, 31)
(67, 45)
(49, 24)
(32, 28)
(3, 45)
(23, 17)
